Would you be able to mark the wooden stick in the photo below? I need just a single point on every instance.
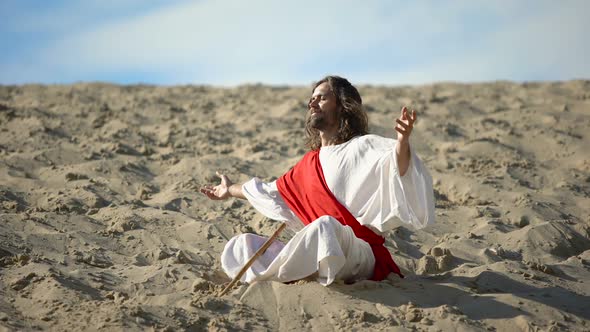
(253, 259)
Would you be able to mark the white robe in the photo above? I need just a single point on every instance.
(363, 176)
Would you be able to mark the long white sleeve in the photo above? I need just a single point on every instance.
(363, 175)
(265, 198)
(414, 193)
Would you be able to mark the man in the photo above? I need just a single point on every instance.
(345, 192)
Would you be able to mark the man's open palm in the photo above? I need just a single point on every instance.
(220, 191)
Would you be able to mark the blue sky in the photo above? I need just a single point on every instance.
(230, 42)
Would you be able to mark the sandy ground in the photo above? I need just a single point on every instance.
(103, 228)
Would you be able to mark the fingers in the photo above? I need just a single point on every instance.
(207, 190)
(404, 125)
(210, 193)
(224, 179)
(213, 192)
(407, 115)
(414, 116)
(401, 131)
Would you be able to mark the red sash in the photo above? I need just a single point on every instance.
(305, 191)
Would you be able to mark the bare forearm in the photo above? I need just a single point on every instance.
(402, 151)
(235, 190)
(404, 125)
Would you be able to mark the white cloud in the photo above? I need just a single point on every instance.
(232, 41)
(213, 32)
(547, 43)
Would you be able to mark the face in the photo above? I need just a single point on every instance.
(323, 108)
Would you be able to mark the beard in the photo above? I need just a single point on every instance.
(317, 121)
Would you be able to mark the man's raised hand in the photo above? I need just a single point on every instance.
(220, 191)
(405, 124)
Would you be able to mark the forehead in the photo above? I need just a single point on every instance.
(322, 89)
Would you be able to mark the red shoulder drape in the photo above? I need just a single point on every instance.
(305, 191)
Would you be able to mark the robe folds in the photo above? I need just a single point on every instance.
(305, 191)
(362, 177)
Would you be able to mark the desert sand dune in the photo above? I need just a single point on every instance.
(103, 228)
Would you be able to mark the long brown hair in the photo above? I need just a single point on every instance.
(353, 118)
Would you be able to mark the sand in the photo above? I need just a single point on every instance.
(103, 228)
